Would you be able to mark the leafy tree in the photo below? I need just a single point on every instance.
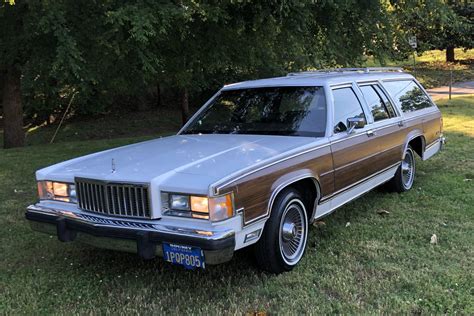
(115, 50)
(437, 24)
(49, 50)
(460, 32)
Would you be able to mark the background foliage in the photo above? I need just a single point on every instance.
(122, 55)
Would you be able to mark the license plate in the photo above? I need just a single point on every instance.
(189, 257)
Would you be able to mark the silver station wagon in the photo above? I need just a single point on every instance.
(253, 167)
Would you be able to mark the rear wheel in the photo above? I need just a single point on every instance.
(283, 241)
(405, 175)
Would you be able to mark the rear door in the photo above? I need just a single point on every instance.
(352, 153)
(386, 125)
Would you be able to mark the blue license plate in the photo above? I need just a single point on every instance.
(189, 257)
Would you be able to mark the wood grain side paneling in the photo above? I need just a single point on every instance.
(432, 127)
(253, 192)
(336, 166)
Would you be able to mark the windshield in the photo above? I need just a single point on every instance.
(296, 111)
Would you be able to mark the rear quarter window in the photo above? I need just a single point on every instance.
(408, 95)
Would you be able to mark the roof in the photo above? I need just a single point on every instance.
(324, 77)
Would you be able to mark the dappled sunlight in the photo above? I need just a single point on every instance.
(458, 115)
(440, 55)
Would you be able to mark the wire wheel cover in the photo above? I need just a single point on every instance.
(408, 169)
(293, 233)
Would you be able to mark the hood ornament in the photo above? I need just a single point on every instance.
(113, 165)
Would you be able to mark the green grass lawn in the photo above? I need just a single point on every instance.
(378, 263)
(155, 122)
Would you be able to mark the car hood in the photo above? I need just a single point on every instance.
(203, 158)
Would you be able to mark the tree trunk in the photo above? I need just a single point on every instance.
(184, 105)
(450, 54)
(158, 95)
(13, 133)
(142, 103)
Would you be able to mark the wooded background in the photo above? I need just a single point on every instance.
(118, 55)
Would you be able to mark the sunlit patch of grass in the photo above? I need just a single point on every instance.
(379, 264)
(440, 55)
(458, 115)
(432, 56)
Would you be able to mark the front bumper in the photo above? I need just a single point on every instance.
(122, 234)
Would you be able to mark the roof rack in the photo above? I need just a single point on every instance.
(342, 70)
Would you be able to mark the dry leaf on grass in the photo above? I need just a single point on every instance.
(383, 212)
(434, 240)
(319, 224)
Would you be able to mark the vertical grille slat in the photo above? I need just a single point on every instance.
(114, 199)
(127, 200)
(136, 202)
(82, 195)
(88, 196)
(94, 198)
(104, 199)
(147, 208)
(120, 200)
(101, 199)
(80, 199)
(111, 200)
(142, 201)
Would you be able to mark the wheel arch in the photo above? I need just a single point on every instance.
(417, 141)
(307, 184)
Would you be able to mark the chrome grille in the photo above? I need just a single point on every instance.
(129, 200)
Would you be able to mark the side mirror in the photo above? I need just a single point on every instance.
(355, 122)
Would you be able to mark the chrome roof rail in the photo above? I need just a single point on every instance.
(343, 70)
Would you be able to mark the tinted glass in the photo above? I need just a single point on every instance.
(388, 104)
(407, 95)
(346, 105)
(375, 103)
(298, 111)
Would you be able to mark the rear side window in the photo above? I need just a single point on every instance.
(387, 103)
(376, 105)
(408, 95)
(346, 105)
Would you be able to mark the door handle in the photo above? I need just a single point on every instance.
(371, 133)
(400, 123)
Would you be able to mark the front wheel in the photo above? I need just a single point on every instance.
(283, 241)
(405, 175)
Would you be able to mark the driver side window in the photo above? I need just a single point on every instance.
(346, 105)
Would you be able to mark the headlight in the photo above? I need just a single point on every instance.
(215, 208)
(179, 202)
(49, 190)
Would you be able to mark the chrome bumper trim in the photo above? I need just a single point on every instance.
(113, 223)
(145, 238)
